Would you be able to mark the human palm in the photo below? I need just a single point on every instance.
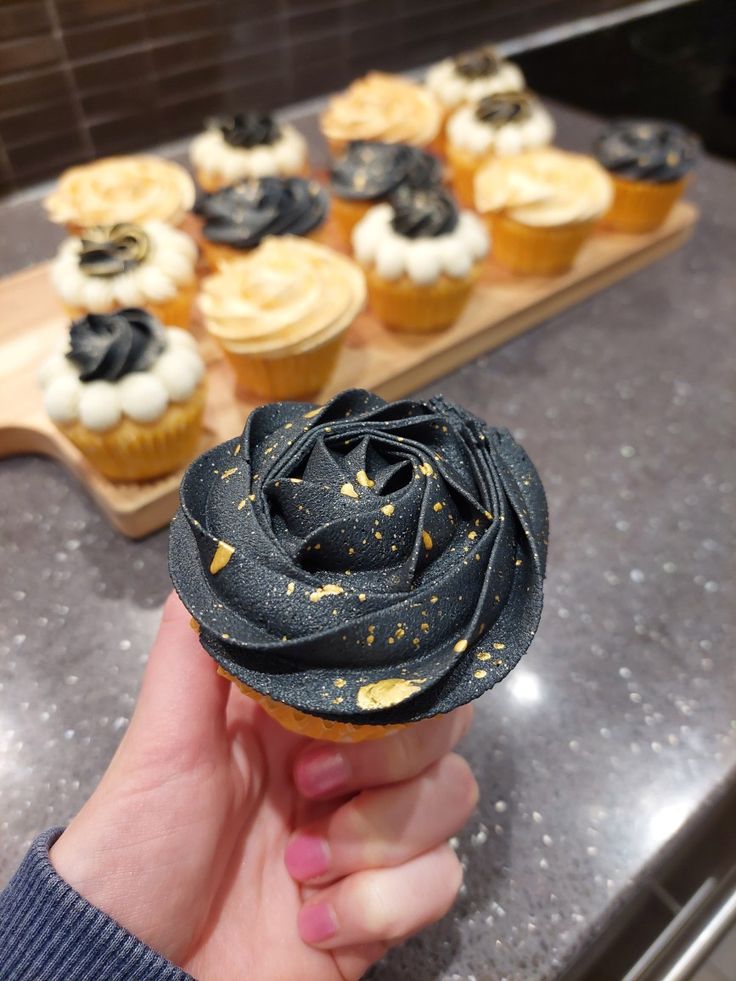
(239, 850)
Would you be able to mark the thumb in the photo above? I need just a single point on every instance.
(180, 714)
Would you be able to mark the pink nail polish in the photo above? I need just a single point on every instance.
(317, 923)
(323, 772)
(307, 857)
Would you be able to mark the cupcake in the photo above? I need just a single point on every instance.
(280, 314)
(362, 565)
(381, 107)
(497, 126)
(112, 266)
(238, 218)
(247, 144)
(369, 173)
(128, 393)
(471, 76)
(541, 206)
(421, 257)
(649, 162)
(133, 189)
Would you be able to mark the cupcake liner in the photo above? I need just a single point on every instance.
(534, 250)
(348, 213)
(641, 206)
(133, 451)
(311, 725)
(407, 306)
(463, 168)
(285, 377)
(175, 312)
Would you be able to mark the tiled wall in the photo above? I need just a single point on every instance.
(83, 78)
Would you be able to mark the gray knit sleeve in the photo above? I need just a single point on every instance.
(48, 932)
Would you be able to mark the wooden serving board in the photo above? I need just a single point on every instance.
(391, 364)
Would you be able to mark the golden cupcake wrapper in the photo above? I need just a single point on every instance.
(175, 312)
(640, 206)
(534, 250)
(463, 168)
(346, 214)
(285, 377)
(311, 725)
(133, 451)
(418, 308)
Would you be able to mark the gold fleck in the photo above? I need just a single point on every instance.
(194, 625)
(483, 656)
(290, 589)
(434, 599)
(488, 515)
(362, 597)
(426, 469)
(518, 562)
(427, 539)
(348, 490)
(328, 429)
(236, 450)
(295, 480)
(369, 639)
(424, 627)
(388, 692)
(462, 645)
(499, 647)
(317, 547)
(313, 413)
(339, 682)
(394, 548)
(226, 636)
(480, 673)
(388, 510)
(390, 640)
(338, 700)
(223, 554)
(329, 589)
(228, 473)
(378, 535)
(477, 556)
(351, 551)
(400, 632)
(288, 425)
(242, 505)
(438, 506)
(363, 479)
(472, 535)
(269, 449)
(251, 497)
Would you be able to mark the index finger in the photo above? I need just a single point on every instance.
(327, 770)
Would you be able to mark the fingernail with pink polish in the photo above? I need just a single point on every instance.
(324, 772)
(317, 923)
(307, 857)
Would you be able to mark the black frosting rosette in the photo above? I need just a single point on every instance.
(108, 346)
(363, 561)
(651, 150)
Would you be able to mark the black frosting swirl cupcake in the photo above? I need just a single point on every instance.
(110, 345)
(647, 150)
(369, 171)
(423, 214)
(243, 215)
(247, 129)
(365, 561)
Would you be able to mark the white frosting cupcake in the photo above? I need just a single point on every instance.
(144, 396)
(469, 77)
(282, 154)
(124, 266)
(424, 259)
(501, 133)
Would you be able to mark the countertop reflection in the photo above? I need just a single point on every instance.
(618, 726)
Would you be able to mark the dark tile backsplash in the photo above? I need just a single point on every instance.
(85, 78)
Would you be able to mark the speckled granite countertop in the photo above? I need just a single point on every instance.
(618, 728)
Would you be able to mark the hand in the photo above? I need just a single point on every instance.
(239, 850)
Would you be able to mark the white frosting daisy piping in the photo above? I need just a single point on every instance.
(423, 260)
(143, 396)
(467, 132)
(452, 89)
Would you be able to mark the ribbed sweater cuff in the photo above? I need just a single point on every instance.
(48, 932)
